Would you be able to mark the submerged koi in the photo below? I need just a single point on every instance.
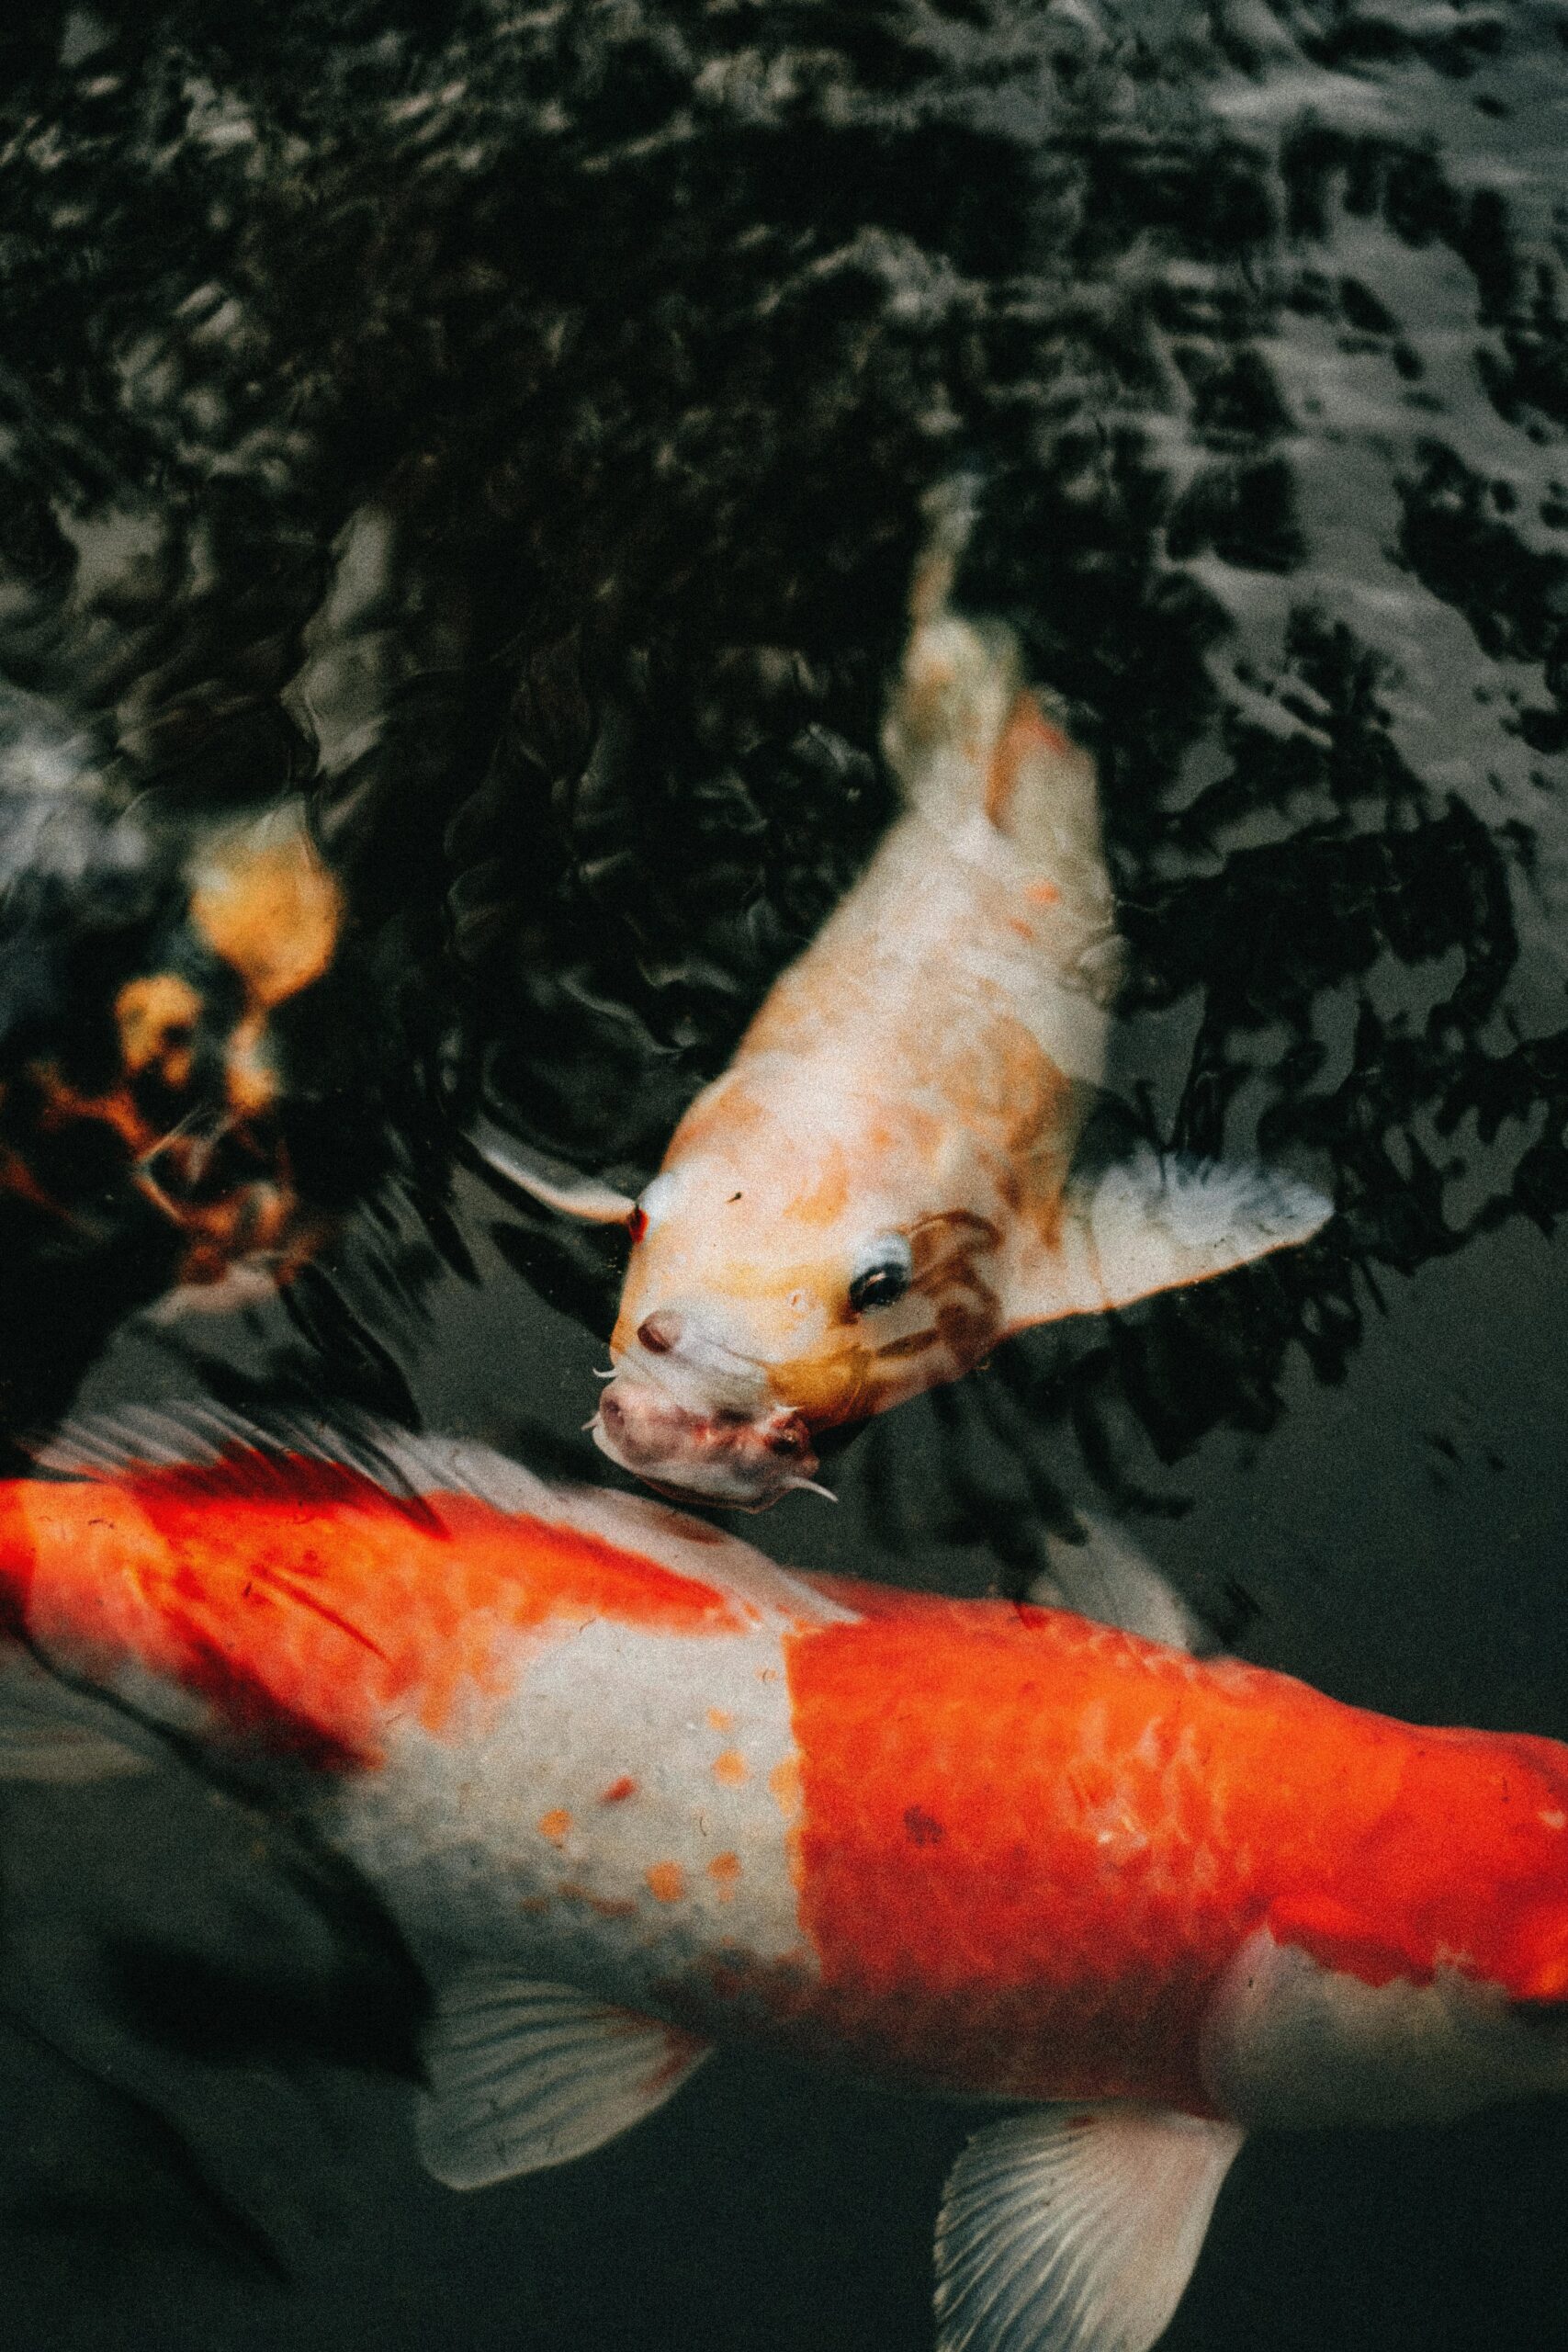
(172, 1092)
(629, 1789)
(882, 1184)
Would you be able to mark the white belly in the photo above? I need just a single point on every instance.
(627, 1820)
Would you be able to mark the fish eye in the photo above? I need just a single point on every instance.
(885, 1270)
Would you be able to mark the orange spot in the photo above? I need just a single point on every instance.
(1041, 894)
(724, 1870)
(271, 909)
(534, 1906)
(1027, 731)
(63, 1103)
(720, 1719)
(783, 1786)
(666, 1882)
(248, 1077)
(619, 1791)
(555, 1826)
(731, 1767)
(156, 1017)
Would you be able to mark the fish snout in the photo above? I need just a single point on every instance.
(715, 1456)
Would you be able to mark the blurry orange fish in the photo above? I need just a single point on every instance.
(882, 1185)
(163, 1084)
(629, 1789)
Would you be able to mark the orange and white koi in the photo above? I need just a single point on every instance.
(882, 1184)
(629, 1789)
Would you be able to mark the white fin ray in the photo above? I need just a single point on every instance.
(51, 1732)
(1105, 1579)
(548, 1180)
(1153, 1223)
(1075, 2229)
(418, 1470)
(525, 2075)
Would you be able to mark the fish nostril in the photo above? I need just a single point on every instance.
(659, 1333)
(790, 1440)
(611, 1410)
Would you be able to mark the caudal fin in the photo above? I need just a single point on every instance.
(968, 735)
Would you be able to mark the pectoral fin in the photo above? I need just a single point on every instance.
(549, 1181)
(1075, 2229)
(523, 2075)
(1151, 1224)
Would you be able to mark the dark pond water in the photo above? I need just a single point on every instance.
(505, 429)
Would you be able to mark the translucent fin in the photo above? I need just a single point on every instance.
(205, 1436)
(232, 1453)
(49, 1731)
(1106, 1580)
(251, 1282)
(1151, 1224)
(550, 1181)
(524, 2076)
(1075, 2229)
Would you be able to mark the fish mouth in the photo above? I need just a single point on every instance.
(716, 1454)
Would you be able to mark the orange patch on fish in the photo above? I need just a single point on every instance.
(619, 1791)
(783, 1786)
(724, 1870)
(156, 1016)
(313, 1609)
(720, 1719)
(1072, 1878)
(666, 1881)
(1027, 734)
(271, 910)
(731, 1767)
(556, 1826)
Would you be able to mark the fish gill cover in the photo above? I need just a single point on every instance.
(505, 429)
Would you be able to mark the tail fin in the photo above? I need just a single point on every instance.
(966, 735)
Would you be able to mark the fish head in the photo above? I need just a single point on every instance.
(786, 1277)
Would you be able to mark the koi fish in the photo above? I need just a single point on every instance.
(160, 1085)
(882, 1184)
(629, 1789)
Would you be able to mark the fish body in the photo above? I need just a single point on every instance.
(146, 1067)
(882, 1184)
(629, 1789)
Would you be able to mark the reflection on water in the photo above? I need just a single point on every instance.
(506, 430)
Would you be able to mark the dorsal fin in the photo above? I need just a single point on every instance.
(231, 1454)
(549, 1181)
(1105, 1579)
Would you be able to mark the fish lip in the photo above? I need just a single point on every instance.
(775, 1473)
(700, 1497)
